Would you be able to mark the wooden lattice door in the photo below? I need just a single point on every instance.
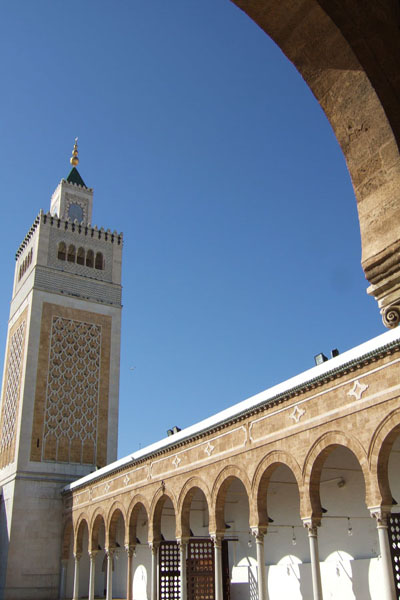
(169, 571)
(394, 542)
(200, 570)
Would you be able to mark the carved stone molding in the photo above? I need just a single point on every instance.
(384, 275)
(391, 315)
(380, 514)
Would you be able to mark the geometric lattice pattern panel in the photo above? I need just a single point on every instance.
(72, 394)
(169, 571)
(394, 541)
(10, 404)
(200, 570)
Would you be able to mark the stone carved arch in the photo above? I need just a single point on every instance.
(116, 511)
(314, 462)
(67, 536)
(98, 518)
(347, 57)
(378, 455)
(82, 523)
(184, 503)
(218, 495)
(156, 508)
(260, 484)
(138, 502)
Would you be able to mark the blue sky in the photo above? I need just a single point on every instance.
(207, 149)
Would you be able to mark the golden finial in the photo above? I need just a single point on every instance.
(74, 160)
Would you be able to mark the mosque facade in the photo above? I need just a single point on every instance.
(292, 493)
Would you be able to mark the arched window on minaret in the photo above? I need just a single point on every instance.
(62, 251)
(71, 253)
(89, 258)
(99, 261)
(80, 256)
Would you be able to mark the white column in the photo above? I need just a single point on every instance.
(77, 558)
(110, 555)
(217, 539)
(154, 569)
(261, 579)
(129, 553)
(63, 578)
(92, 570)
(182, 564)
(381, 515)
(315, 567)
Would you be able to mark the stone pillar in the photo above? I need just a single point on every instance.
(217, 539)
(182, 564)
(261, 579)
(110, 556)
(130, 549)
(311, 526)
(63, 578)
(154, 569)
(381, 515)
(77, 557)
(92, 571)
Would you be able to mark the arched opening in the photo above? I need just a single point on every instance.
(238, 562)
(141, 559)
(71, 253)
(62, 251)
(286, 544)
(98, 539)
(89, 258)
(80, 256)
(116, 542)
(81, 548)
(195, 516)
(99, 261)
(347, 528)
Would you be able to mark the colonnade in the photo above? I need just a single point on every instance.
(381, 517)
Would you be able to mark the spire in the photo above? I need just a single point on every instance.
(74, 176)
(74, 160)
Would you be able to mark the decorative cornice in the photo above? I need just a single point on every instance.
(68, 225)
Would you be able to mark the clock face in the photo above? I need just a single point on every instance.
(75, 212)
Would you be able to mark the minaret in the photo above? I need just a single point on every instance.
(59, 411)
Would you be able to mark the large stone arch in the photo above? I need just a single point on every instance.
(348, 54)
(156, 508)
(314, 462)
(218, 495)
(137, 503)
(378, 454)
(184, 503)
(260, 483)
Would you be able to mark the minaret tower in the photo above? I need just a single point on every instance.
(59, 408)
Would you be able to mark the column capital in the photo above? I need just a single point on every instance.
(182, 542)
(77, 555)
(110, 551)
(92, 554)
(380, 514)
(217, 539)
(64, 562)
(154, 546)
(259, 533)
(311, 524)
(130, 549)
